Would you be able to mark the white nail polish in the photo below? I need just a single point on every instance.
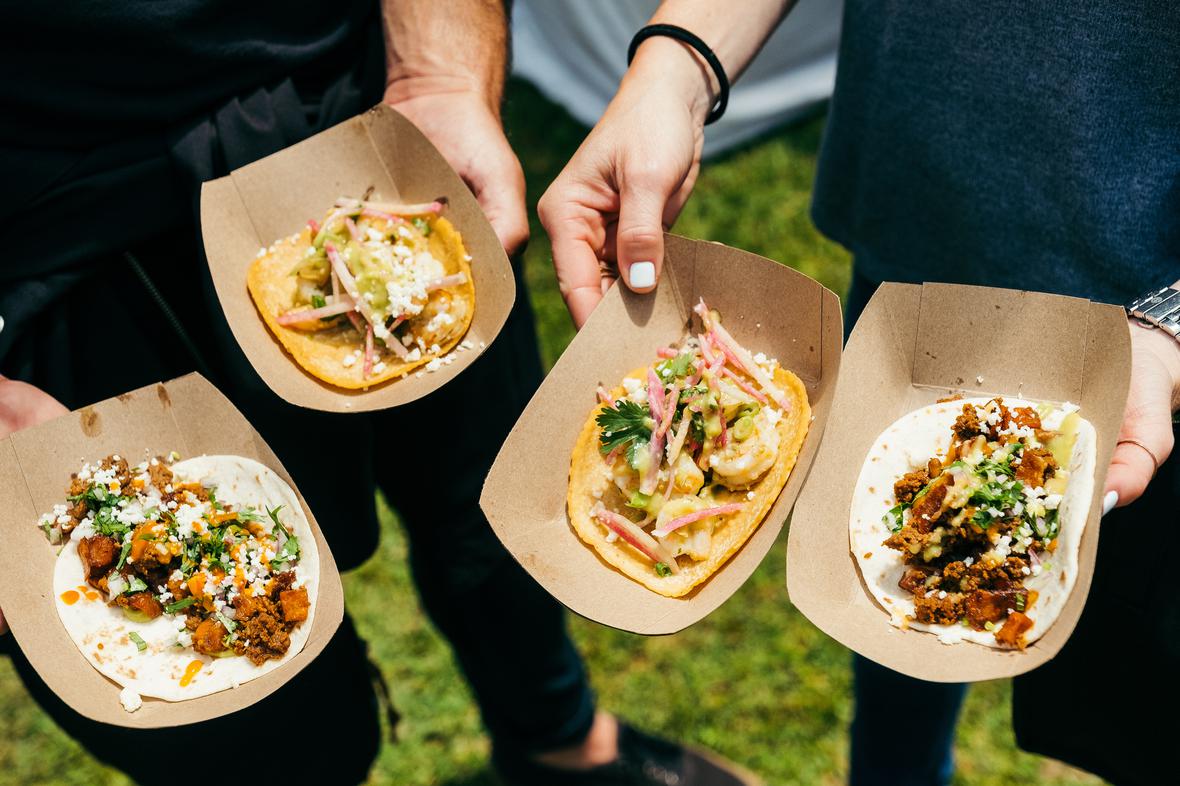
(643, 275)
(1, 323)
(1109, 501)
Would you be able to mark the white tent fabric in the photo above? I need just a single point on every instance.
(575, 52)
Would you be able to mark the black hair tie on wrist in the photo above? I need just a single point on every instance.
(693, 40)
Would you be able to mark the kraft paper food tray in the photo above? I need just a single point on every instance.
(274, 197)
(187, 415)
(768, 308)
(916, 344)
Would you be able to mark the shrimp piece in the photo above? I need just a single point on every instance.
(740, 464)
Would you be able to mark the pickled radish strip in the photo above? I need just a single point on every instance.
(670, 402)
(343, 306)
(697, 515)
(453, 280)
(630, 532)
(738, 355)
(349, 284)
(369, 212)
(369, 353)
(417, 209)
(678, 443)
(744, 385)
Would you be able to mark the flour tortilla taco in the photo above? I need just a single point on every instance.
(968, 515)
(178, 580)
(676, 467)
(371, 294)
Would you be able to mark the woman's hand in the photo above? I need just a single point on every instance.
(607, 211)
(1146, 435)
(21, 406)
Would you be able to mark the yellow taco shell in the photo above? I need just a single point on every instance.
(321, 353)
(589, 475)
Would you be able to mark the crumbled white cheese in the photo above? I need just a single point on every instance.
(130, 700)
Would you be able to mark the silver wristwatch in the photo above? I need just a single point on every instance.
(1158, 308)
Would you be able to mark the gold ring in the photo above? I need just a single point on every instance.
(1155, 461)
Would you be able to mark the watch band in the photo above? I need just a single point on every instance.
(1158, 308)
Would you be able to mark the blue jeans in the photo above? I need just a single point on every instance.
(886, 701)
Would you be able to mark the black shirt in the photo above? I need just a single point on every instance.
(83, 73)
(114, 112)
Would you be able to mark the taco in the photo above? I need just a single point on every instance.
(968, 515)
(677, 466)
(177, 580)
(373, 293)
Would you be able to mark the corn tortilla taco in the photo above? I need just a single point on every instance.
(177, 580)
(373, 293)
(968, 515)
(677, 466)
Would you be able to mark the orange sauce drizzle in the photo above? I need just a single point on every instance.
(87, 592)
(70, 597)
(190, 671)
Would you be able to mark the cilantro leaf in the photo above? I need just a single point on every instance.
(893, 519)
(134, 584)
(674, 368)
(290, 549)
(123, 555)
(172, 608)
(627, 423)
(274, 516)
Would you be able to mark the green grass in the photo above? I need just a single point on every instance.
(754, 681)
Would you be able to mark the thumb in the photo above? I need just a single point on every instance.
(639, 238)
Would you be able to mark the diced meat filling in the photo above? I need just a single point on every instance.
(265, 622)
(1036, 466)
(294, 604)
(908, 486)
(209, 637)
(967, 424)
(98, 553)
(928, 507)
(141, 603)
(951, 568)
(1013, 632)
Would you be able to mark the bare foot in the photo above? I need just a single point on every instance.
(601, 746)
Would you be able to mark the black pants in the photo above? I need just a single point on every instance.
(110, 333)
(1097, 703)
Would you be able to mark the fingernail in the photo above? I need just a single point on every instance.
(1109, 501)
(643, 275)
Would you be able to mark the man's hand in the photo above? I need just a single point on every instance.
(445, 66)
(466, 130)
(1146, 435)
(21, 406)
